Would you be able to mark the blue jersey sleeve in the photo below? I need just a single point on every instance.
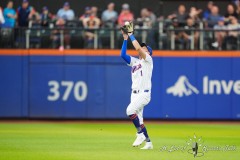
(124, 55)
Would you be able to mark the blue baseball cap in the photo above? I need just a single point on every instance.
(87, 8)
(45, 8)
(66, 4)
(149, 48)
(25, 1)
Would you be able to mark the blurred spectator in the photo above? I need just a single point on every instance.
(9, 15)
(1, 17)
(46, 16)
(194, 13)
(207, 12)
(234, 25)
(125, 15)
(238, 8)
(56, 35)
(231, 12)
(144, 21)
(152, 16)
(86, 14)
(94, 11)
(174, 25)
(66, 13)
(109, 16)
(24, 13)
(233, 33)
(147, 19)
(181, 15)
(188, 35)
(213, 17)
(236, 2)
(219, 35)
(34, 19)
(90, 23)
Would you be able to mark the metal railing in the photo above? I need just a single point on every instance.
(206, 38)
(113, 36)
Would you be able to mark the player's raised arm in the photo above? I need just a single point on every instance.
(124, 55)
(137, 46)
(128, 27)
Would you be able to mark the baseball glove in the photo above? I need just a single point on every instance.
(128, 28)
(124, 29)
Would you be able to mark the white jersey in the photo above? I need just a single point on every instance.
(141, 73)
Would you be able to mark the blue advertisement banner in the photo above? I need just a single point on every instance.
(100, 87)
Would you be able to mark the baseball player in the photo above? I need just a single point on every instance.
(141, 83)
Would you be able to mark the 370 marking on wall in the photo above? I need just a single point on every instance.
(78, 88)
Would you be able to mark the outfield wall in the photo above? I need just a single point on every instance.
(96, 84)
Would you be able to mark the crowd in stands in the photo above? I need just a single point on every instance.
(227, 26)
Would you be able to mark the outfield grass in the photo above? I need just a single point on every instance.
(108, 141)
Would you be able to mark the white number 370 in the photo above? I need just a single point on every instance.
(69, 85)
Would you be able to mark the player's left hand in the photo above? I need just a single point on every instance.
(130, 27)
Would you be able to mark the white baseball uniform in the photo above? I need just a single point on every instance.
(141, 85)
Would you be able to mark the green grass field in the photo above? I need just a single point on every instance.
(110, 141)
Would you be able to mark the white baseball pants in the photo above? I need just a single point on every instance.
(138, 102)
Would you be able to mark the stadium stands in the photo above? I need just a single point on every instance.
(188, 28)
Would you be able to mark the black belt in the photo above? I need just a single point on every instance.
(137, 91)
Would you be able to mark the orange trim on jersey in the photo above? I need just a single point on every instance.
(104, 52)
